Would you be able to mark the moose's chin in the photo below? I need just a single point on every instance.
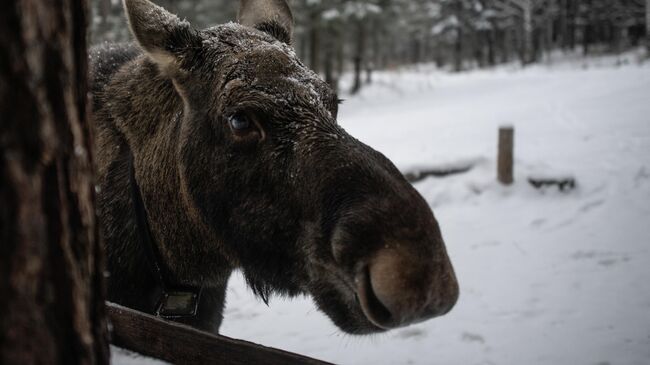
(344, 308)
(349, 319)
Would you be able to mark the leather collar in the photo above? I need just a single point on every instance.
(175, 301)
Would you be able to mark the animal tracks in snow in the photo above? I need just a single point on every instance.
(602, 258)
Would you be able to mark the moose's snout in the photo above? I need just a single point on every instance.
(397, 288)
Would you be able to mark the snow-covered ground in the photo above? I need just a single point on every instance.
(121, 356)
(546, 277)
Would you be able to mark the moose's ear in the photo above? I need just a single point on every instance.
(162, 35)
(270, 16)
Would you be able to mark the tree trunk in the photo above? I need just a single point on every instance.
(573, 27)
(491, 40)
(330, 55)
(378, 37)
(548, 39)
(329, 69)
(369, 69)
(356, 86)
(314, 42)
(564, 25)
(528, 51)
(458, 50)
(51, 264)
(504, 40)
(340, 53)
(586, 38)
(104, 10)
(647, 25)
(359, 56)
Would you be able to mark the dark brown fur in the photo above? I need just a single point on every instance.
(301, 207)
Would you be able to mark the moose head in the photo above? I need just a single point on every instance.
(242, 165)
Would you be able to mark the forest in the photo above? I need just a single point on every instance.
(335, 36)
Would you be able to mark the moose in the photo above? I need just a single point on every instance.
(219, 150)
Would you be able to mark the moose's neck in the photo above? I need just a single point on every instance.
(149, 112)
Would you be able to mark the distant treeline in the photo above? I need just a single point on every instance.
(334, 36)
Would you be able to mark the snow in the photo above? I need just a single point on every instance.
(547, 277)
(121, 356)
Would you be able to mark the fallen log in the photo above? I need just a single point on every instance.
(421, 174)
(562, 183)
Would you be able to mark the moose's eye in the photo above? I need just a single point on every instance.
(245, 128)
(239, 122)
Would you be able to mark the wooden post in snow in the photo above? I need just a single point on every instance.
(505, 158)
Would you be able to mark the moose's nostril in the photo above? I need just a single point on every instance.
(398, 288)
(371, 305)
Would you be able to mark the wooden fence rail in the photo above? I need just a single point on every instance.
(181, 344)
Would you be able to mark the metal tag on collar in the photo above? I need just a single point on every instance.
(181, 303)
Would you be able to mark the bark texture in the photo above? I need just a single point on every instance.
(51, 269)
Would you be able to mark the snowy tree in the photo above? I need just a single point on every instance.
(334, 36)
